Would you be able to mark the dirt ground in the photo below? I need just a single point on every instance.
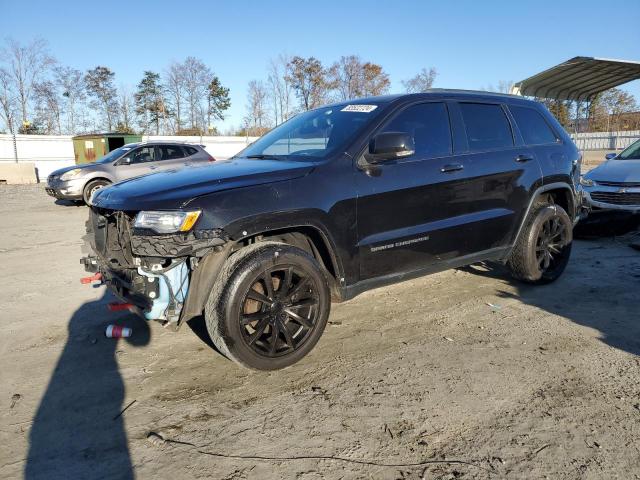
(462, 374)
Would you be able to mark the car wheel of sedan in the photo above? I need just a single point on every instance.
(269, 306)
(92, 187)
(543, 249)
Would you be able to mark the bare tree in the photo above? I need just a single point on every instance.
(280, 88)
(256, 118)
(309, 80)
(8, 100)
(353, 78)
(71, 83)
(27, 66)
(196, 80)
(504, 86)
(175, 85)
(48, 110)
(422, 82)
(346, 76)
(126, 110)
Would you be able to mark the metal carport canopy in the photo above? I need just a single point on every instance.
(578, 79)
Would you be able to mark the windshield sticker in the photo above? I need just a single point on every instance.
(359, 108)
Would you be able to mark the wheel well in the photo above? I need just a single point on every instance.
(308, 239)
(560, 196)
(102, 179)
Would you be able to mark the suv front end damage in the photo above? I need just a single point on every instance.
(148, 270)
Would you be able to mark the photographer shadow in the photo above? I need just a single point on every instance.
(78, 429)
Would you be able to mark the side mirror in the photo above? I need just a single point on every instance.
(125, 161)
(390, 146)
(609, 156)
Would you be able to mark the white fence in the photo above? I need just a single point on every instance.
(605, 140)
(50, 152)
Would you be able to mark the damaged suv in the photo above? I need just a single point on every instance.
(336, 201)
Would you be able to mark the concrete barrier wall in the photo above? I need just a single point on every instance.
(46, 153)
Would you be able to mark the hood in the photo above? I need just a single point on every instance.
(83, 166)
(616, 171)
(175, 188)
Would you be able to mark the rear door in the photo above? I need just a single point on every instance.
(498, 171)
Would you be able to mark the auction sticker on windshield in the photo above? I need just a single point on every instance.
(359, 108)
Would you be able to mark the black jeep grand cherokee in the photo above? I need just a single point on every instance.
(336, 201)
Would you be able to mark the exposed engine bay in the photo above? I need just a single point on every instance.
(150, 272)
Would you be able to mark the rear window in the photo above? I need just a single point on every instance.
(170, 152)
(486, 125)
(533, 127)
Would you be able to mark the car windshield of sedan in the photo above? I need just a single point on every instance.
(313, 135)
(630, 153)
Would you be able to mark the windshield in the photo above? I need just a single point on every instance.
(630, 153)
(314, 135)
(115, 154)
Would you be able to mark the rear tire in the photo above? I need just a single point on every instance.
(262, 326)
(91, 187)
(543, 248)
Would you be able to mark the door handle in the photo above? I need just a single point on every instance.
(452, 167)
(524, 158)
(152, 167)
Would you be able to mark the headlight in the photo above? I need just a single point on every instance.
(587, 182)
(167, 222)
(71, 174)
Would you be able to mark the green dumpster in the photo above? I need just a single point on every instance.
(93, 146)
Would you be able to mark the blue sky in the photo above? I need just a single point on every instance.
(471, 43)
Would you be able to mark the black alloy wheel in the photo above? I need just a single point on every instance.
(279, 311)
(551, 244)
(269, 305)
(543, 248)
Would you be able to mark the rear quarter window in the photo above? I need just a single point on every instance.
(190, 151)
(533, 127)
(486, 125)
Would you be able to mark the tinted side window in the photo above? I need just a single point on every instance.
(429, 125)
(190, 151)
(532, 125)
(487, 126)
(143, 155)
(170, 152)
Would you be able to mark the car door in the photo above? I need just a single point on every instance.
(138, 162)
(497, 172)
(401, 203)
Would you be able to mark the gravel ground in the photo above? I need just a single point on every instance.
(463, 374)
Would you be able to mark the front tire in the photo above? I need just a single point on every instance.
(543, 248)
(269, 306)
(92, 187)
